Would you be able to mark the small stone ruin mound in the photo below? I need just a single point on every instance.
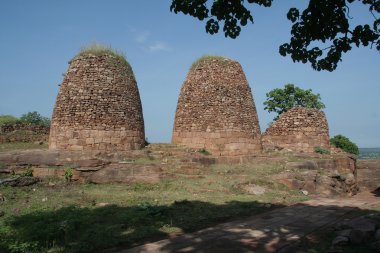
(98, 106)
(298, 130)
(216, 111)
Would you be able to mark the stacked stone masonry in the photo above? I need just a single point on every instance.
(38, 129)
(98, 107)
(299, 130)
(21, 132)
(216, 111)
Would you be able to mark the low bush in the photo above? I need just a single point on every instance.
(8, 120)
(204, 151)
(322, 151)
(345, 144)
(34, 118)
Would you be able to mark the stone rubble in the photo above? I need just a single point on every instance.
(299, 130)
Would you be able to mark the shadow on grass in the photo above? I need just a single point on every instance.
(74, 229)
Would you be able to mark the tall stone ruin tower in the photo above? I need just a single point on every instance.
(216, 111)
(98, 106)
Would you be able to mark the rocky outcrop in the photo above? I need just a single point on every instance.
(216, 111)
(327, 176)
(298, 130)
(362, 230)
(369, 174)
(98, 106)
(19, 181)
(127, 173)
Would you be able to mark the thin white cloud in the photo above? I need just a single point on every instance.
(159, 46)
(142, 37)
(146, 43)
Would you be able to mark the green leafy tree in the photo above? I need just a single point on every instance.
(281, 100)
(326, 23)
(34, 118)
(8, 120)
(344, 143)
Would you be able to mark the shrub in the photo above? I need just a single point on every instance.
(204, 151)
(8, 120)
(28, 172)
(68, 174)
(344, 143)
(34, 118)
(322, 151)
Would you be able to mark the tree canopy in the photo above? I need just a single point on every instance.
(34, 118)
(324, 22)
(281, 100)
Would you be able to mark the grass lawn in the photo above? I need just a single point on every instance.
(9, 146)
(57, 217)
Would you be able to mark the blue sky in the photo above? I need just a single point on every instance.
(38, 38)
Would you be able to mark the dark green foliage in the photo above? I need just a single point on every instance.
(281, 100)
(28, 172)
(34, 118)
(344, 143)
(68, 174)
(204, 151)
(323, 22)
(322, 151)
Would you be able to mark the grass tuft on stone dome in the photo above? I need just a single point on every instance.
(100, 49)
(206, 58)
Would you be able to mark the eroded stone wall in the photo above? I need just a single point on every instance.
(299, 130)
(98, 107)
(23, 133)
(38, 129)
(216, 111)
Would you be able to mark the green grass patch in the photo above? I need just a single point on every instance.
(68, 219)
(377, 208)
(10, 146)
(64, 217)
(322, 151)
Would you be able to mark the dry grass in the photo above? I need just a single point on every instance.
(100, 49)
(206, 58)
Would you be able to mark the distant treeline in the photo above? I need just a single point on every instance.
(369, 153)
(30, 118)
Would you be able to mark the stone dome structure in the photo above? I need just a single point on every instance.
(299, 129)
(216, 111)
(98, 106)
